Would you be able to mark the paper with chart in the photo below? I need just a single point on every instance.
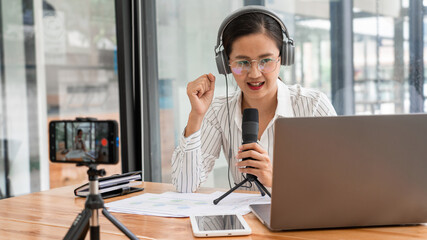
(172, 204)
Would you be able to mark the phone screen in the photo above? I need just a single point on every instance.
(218, 222)
(83, 142)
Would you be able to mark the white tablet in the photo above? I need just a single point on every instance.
(219, 225)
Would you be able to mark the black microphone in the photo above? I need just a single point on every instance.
(250, 127)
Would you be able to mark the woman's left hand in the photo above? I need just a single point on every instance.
(260, 162)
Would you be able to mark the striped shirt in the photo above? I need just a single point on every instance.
(194, 157)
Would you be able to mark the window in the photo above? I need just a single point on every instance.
(186, 36)
(58, 62)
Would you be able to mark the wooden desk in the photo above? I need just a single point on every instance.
(48, 215)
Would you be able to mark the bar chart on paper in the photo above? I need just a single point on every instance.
(172, 204)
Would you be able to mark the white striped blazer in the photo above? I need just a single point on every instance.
(194, 157)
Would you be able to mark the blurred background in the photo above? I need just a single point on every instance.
(59, 61)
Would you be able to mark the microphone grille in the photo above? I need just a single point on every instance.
(250, 115)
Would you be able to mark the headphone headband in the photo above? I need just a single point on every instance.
(243, 11)
(221, 57)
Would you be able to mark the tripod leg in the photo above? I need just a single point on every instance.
(260, 189)
(94, 233)
(119, 225)
(80, 226)
(260, 186)
(216, 201)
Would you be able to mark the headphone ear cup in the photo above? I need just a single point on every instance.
(288, 54)
(222, 63)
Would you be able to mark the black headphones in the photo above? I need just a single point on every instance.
(287, 52)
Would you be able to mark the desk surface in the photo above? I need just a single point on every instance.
(48, 215)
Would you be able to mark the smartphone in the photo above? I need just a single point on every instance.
(73, 141)
(219, 225)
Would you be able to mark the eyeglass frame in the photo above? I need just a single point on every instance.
(276, 60)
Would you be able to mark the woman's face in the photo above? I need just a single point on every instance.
(254, 83)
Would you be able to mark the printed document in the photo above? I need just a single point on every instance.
(173, 204)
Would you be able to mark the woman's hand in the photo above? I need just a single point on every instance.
(260, 162)
(200, 92)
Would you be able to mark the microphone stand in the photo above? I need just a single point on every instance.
(249, 178)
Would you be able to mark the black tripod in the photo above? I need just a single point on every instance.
(249, 178)
(90, 216)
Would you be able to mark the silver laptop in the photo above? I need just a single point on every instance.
(348, 171)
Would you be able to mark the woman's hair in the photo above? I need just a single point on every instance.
(251, 23)
(78, 131)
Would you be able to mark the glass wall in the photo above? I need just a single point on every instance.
(81, 71)
(186, 33)
(381, 58)
(381, 53)
(379, 46)
(57, 62)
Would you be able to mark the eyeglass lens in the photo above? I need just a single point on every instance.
(265, 65)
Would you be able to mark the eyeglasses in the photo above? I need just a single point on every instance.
(265, 65)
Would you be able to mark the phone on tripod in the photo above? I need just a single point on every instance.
(84, 141)
(87, 142)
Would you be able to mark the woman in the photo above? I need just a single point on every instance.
(252, 43)
(78, 141)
